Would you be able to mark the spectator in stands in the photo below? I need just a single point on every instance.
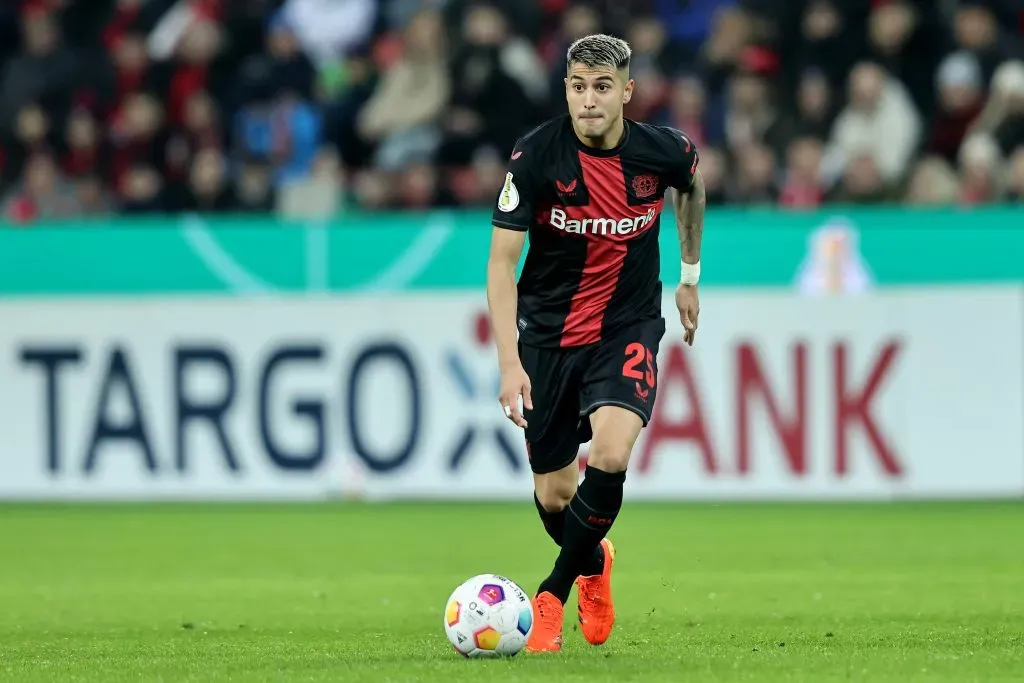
(130, 70)
(123, 16)
(1015, 178)
(141, 190)
(981, 166)
(330, 29)
(199, 130)
(880, 122)
(525, 17)
(689, 110)
(933, 182)
(316, 196)
(138, 135)
(688, 25)
(754, 175)
(802, 187)
(976, 28)
(93, 198)
(280, 126)
(209, 190)
(751, 114)
(863, 182)
(398, 13)
(31, 135)
(488, 168)
(830, 34)
(45, 73)
(577, 21)
(281, 64)
(490, 70)
(190, 47)
(906, 38)
(42, 195)
(961, 98)
(251, 105)
(648, 39)
(815, 112)
(419, 187)
(1003, 115)
(84, 151)
(404, 114)
(254, 187)
(373, 190)
(733, 30)
(478, 183)
(714, 169)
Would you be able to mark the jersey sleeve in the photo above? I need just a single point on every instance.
(517, 197)
(683, 164)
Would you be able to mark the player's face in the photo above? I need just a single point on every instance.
(596, 96)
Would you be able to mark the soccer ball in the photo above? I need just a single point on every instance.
(488, 616)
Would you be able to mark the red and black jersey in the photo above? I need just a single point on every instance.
(593, 263)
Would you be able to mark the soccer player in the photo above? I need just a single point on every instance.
(588, 188)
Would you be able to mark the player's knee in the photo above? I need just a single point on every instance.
(554, 500)
(554, 493)
(555, 489)
(610, 452)
(615, 431)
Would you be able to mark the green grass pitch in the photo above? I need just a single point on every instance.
(355, 592)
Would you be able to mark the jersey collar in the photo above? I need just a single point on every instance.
(590, 151)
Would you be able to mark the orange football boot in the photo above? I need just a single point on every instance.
(546, 635)
(596, 611)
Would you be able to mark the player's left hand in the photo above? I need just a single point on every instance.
(689, 308)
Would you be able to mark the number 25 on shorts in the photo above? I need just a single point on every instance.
(637, 354)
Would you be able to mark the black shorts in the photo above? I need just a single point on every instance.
(568, 384)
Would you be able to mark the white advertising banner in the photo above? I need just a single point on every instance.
(896, 394)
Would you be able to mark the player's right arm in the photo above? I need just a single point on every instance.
(511, 221)
(502, 296)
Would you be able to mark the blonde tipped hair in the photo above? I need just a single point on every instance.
(600, 50)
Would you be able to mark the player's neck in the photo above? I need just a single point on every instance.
(611, 140)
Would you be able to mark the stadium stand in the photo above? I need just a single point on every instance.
(142, 106)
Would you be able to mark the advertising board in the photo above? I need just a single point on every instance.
(901, 393)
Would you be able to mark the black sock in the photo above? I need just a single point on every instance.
(554, 524)
(592, 511)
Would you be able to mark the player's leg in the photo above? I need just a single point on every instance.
(615, 432)
(618, 394)
(552, 432)
(551, 494)
(551, 447)
(553, 441)
(597, 501)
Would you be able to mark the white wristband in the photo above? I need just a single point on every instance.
(690, 273)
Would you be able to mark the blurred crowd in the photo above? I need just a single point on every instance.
(139, 106)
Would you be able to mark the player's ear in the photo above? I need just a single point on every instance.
(627, 93)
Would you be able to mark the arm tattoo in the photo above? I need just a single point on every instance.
(690, 219)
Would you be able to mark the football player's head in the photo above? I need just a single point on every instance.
(597, 85)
